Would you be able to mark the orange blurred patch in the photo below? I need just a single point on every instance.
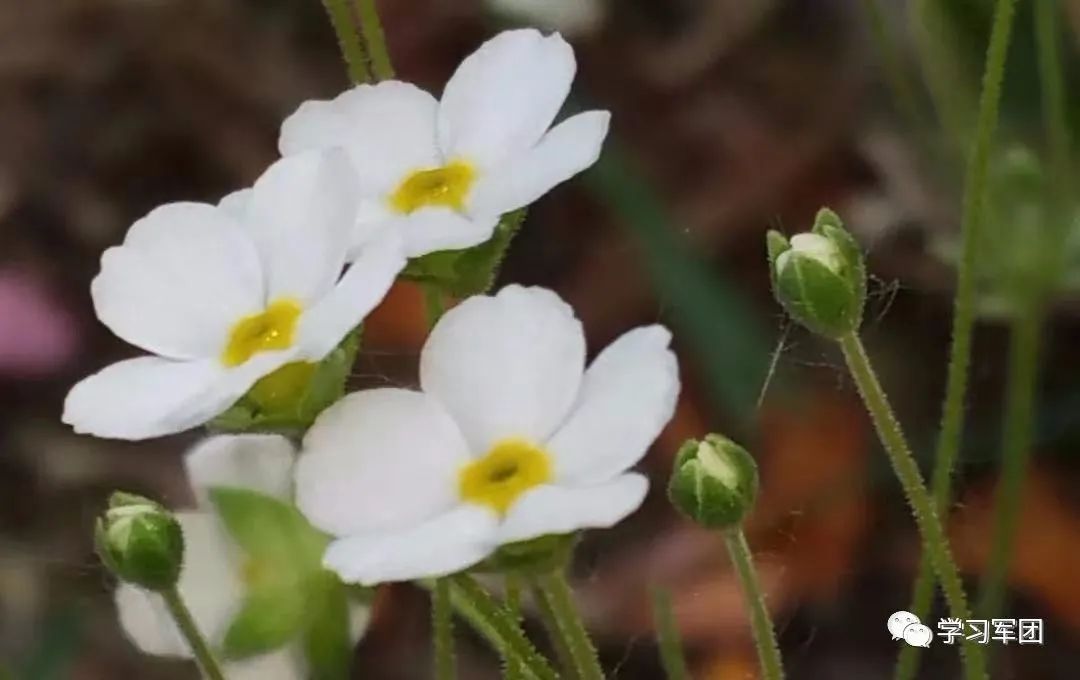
(399, 321)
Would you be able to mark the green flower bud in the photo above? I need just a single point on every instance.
(714, 483)
(140, 541)
(819, 277)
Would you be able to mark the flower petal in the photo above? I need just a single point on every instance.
(443, 545)
(260, 462)
(504, 96)
(152, 397)
(505, 366)
(301, 215)
(208, 583)
(184, 275)
(432, 229)
(282, 664)
(363, 286)
(378, 460)
(388, 130)
(551, 509)
(566, 150)
(627, 397)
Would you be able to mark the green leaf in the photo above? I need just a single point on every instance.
(269, 618)
(327, 642)
(471, 271)
(273, 533)
(328, 382)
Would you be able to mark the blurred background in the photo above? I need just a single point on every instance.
(730, 117)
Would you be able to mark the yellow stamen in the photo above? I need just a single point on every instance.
(278, 390)
(447, 187)
(510, 468)
(272, 329)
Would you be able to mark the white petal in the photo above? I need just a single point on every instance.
(432, 229)
(504, 96)
(260, 462)
(627, 397)
(363, 286)
(283, 664)
(301, 215)
(183, 276)
(378, 460)
(236, 204)
(553, 509)
(444, 545)
(566, 150)
(208, 584)
(388, 130)
(152, 397)
(505, 366)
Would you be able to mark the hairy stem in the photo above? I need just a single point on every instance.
(347, 29)
(567, 625)
(667, 631)
(772, 667)
(190, 630)
(442, 625)
(371, 34)
(922, 505)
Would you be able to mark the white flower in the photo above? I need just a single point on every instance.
(510, 439)
(441, 173)
(212, 582)
(224, 295)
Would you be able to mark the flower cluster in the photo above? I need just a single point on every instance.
(251, 304)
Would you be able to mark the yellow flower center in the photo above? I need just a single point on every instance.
(254, 572)
(271, 329)
(278, 390)
(447, 187)
(510, 468)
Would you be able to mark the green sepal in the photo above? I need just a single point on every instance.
(817, 297)
(533, 557)
(776, 243)
(271, 532)
(470, 271)
(325, 386)
(140, 541)
(270, 616)
(326, 640)
(711, 500)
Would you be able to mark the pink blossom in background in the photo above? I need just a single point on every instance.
(37, 333)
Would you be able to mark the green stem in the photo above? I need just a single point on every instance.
(497, 625)
(550, 619)
(772, 667)
(371, 33)
(1016, 452)
(514, 671)
(945, 77)
(556, 593)
(190, 630)
(922, 505)
(895, 70)
(671, 651)
(442, 625)
(346, 28)
(1052, 79)
(952, 419)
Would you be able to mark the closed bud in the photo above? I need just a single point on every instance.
(714, 483)
(140, 541)
(819, 276)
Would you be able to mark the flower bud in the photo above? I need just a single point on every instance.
(819, 277)
(140, 541)
(714, 483)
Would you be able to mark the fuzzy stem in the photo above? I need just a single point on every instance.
(667, 631)
(514, 671)
(346, 28)
(556, 593)
(371, 33)
(892, 60)
(442, 625)
(1019, 413)
(772, 667)
(952, 419)
(190, 630)
(551, 625)
(922, 505)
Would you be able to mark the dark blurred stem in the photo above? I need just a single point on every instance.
(671, 651)
(922, 505)
(1016, 452)
(346, 27)
(190, 630)
(565, 623)
(442, 625)
(514, 671)
(772, 667)
(895, 68)
(371, 33)
(1052, 80)
(944, 75)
